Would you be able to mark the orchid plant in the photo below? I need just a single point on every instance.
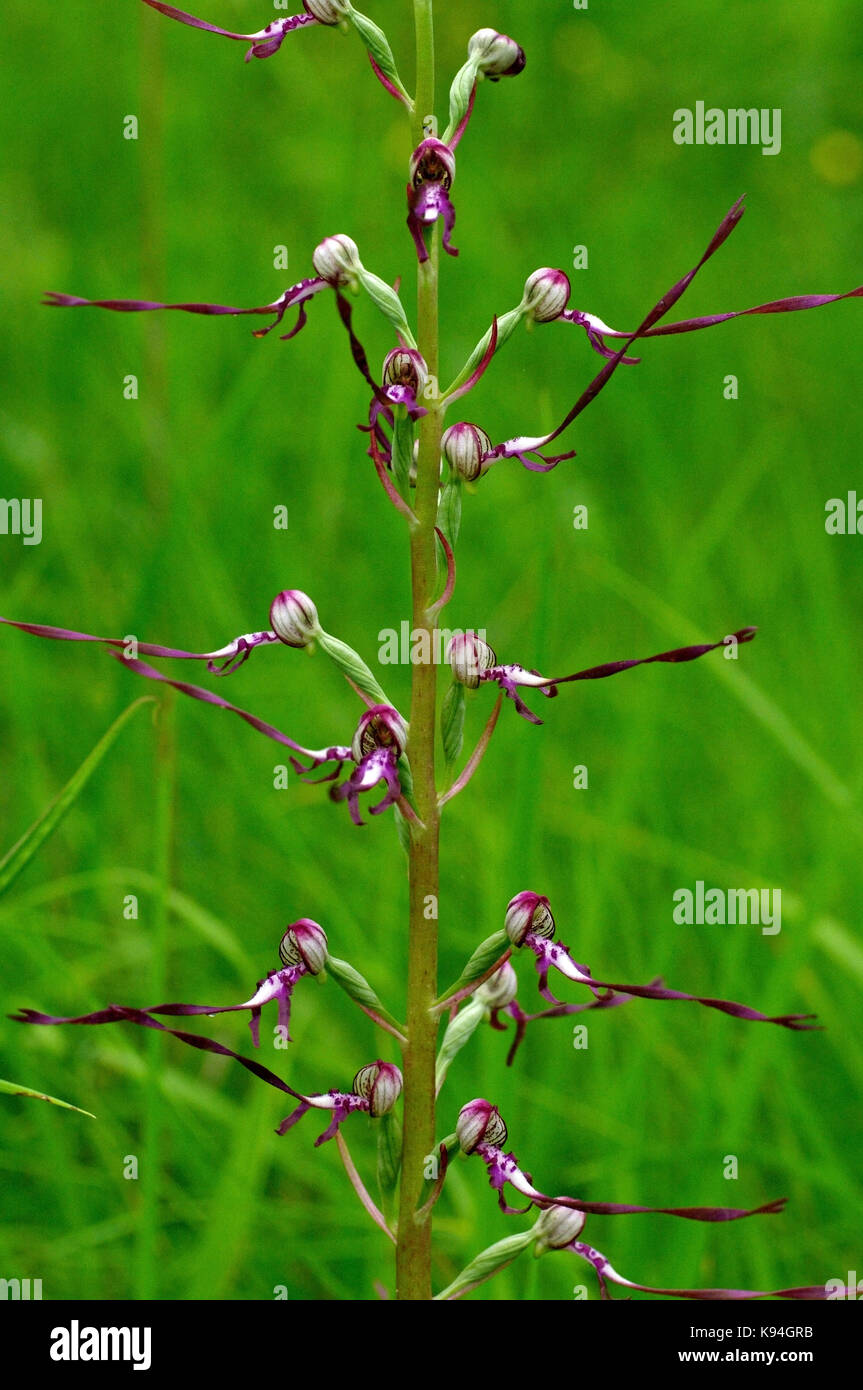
(428, 465)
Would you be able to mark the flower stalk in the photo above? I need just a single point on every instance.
(413, 1253)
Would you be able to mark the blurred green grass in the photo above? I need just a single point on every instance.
(704, 515)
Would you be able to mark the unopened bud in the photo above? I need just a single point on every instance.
(546, 295)
(304, 943)
(479, 1122)
(556, 1228)
(325, 11)
(406, 367)
(337, 260)
(500, 988)
(464, 447)
(432, 162)
(497, 55)
(528, 912)
(468, 657)
(380, 727)
(380, 1083)
(294, 618)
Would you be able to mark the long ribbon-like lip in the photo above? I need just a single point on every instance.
(265, 42)
(233, 654)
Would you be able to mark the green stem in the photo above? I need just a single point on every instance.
(413, 1252)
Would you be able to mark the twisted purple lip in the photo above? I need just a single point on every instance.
(427, 204)
(512, 677)
(222, 662)
(339, 1102)
(264, 43)
(503, 1170)
(605, 1271)
(295, 295)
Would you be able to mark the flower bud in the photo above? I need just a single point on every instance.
(528, 912)
(380, 727)
(500, 988)
(380, 1083)
(464, 447)
(497, 55)
(337, 260)
(325, 11)
(468, 657)
(294, 618)
(556, 1228)
(406, 367)
(432, 162)
(546, 295)
(479, 1123)
(304, 943)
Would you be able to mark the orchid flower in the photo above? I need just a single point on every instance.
(512, 678)
(490, 55)
(480, 1130)
(559, 1228)
(374, 1090)
(293, 617)
(302, 951)
(432, 170)
(529, 922)
(547, 292)
(336, 262)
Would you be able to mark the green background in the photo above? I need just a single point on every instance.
(705, 515)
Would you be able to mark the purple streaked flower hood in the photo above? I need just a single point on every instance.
(374, 1091)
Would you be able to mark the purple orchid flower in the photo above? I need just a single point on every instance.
(480, 1129)
(432, 170)
(378, 744)
(499, 991)
(405, 375)
(529, 922)
(336, 261)
(302, 950)
(547, 292)
(559, 1228)
(375, 1090)
(293, 616)
(512, 678)
(470, 452)
(268, 40)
